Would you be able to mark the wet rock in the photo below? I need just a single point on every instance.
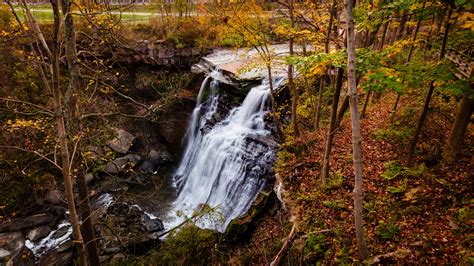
(240, 226)
(152, 224)
(62, 231)
(54, 196)
(57, 258)
(122, 142)
(119, 209)
(131, 224)
(10, 245)
(38, 232)
(18, 224)
(153, 160)
(64, 246)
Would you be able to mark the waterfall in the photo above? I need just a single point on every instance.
(222, 167)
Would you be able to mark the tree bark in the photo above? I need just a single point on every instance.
(401, 27)
(320, 103)
(342, 110)
(291, 82)
(459, 128)
(421, 120)
(356, 137)
(328, 32)
(410, 53)
(332, 126)
(384, 34)
(61, 131)
(366, 102)
(88, 230)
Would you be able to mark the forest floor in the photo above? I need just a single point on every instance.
(418, 214)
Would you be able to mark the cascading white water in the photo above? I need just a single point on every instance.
(218, 167)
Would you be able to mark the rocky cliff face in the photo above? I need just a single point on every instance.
(155, 53)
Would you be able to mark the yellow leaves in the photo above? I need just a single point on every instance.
(18, 124)
(319, 69)
(410, 195)
(466, 20)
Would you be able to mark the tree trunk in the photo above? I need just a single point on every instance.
(421, 121)
(328, 32)
(332, 126)
(394, 109)
(401, 27)
(366, 102)
(372, 36)
(320, 103)
(412, 46)
(71, 102)
(384, 34)
(61, 131)
(459, 128)
(410, 53)
(342, 110)
(88, 230)
(291, 82)
(356, 137)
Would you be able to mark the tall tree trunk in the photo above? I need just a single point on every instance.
(384, 34)
(88, 230)
(459, 128)
(332, 126)
(401, 27)
(356, 137)
(421, 121)
(366, 102)
(61, 131)
(342, 110)
(410, 53)
(328, 32)
(320, 103)
(372, 36)
(74, 123)
(291, 82)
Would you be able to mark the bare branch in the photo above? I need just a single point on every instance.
(34, 152)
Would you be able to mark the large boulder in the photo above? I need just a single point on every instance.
(18, 224)
(122, 142)
(118, 165)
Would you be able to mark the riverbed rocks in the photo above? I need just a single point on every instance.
(118, 165)
(38, 232)
(153, 160)
(122, 142)
(128, 226)
(17, 224)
